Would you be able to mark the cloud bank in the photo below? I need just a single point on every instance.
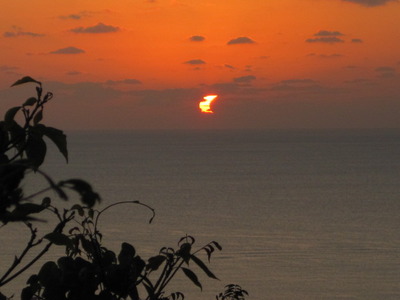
(99, 28)
(241, 40)
(68, 50)
(197, 38)
(195, 62)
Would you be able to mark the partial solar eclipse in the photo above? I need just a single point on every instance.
(205, 104)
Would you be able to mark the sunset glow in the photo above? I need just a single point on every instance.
(205, 104)
(134, 64)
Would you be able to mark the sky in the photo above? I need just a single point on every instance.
(146, 64)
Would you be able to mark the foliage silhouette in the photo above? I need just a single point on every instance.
(88, 270)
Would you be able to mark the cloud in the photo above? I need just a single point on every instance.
(229, 66)
(5, 68)
(370, 3)
(244, 79)
(357, 41)
(297, 81)
(99, 28)
(358, 81)
(195, 62)
(197, 38)
(325, 39)
(18, 32)
(73, 73)
(328, 33)
(241, 40)
(385, 69)
(334, 55)
(72, 17)
(386, 72)
(125, 81)
(68, 50)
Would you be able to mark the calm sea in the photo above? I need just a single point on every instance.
(299, 214)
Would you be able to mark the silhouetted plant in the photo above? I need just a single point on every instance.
(89, 270)
(233, 292)
(23, 150)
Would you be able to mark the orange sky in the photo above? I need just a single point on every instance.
(146, 64)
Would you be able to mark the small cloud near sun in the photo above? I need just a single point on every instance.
(357, 41)
(68, 50)
(99, 28)
(197, 38)
(195, 62)
(241, 40)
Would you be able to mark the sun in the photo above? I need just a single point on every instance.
(205, 104)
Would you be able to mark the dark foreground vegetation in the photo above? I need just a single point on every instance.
(88, 270)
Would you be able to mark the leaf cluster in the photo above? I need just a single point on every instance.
(91, 271)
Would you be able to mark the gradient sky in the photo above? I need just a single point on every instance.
(138, 64)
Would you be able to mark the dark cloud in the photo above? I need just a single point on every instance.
(370, 3)
(229, 66)
(241, 40)
(334, 55)
(244, 79)
(72, 17)
(325, 39)
(195, 62)
(73, 73)
(298, 81)
(197, 38)
(18, 32)
(99, 28)
(351, 67)
(125, 81)
(385, 69)
(357, 41)
(358, 81)
(5, 68)
(328, 33)
(386, 72)
(68, 50)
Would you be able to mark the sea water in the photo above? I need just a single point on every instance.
(299, 214)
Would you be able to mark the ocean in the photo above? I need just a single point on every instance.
(299, 214)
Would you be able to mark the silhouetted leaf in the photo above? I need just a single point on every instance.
(177, 295)
(203, 266)
(155, 262)
(79, 209)
(25, 79)
(184, 252)
(10, 114)
(49, 274)
(58, 238)
(55, 187)
(30, 208)
(126, 254)
(35, 150)
(192, 277)
(84, 189)
(30, 101)
(2, 297)
(56, 136)
(46, 202)
(38, 117)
